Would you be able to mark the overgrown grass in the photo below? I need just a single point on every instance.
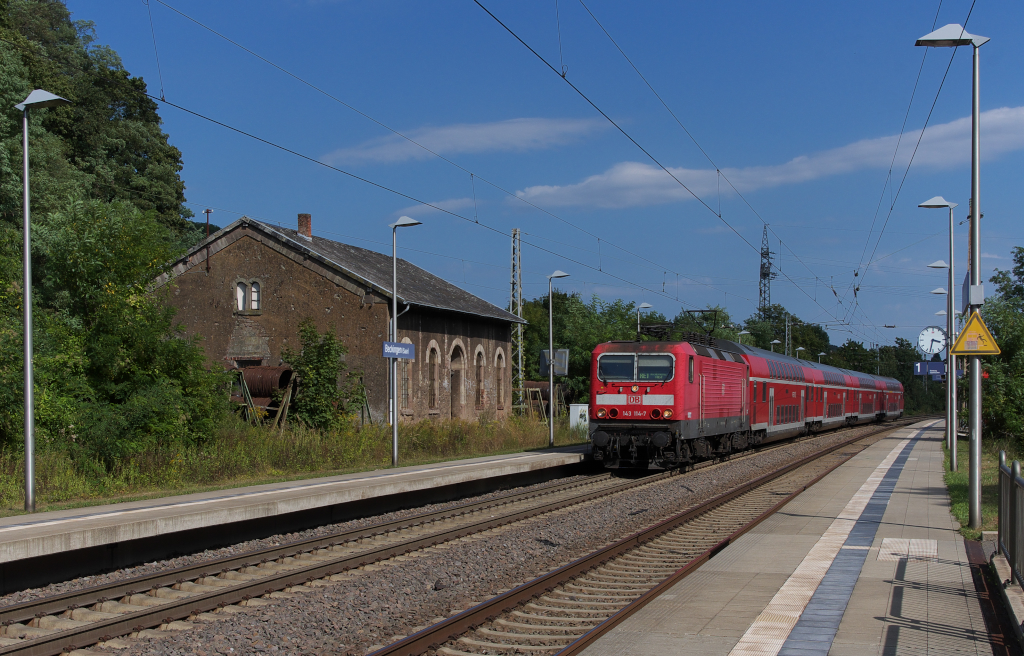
(957, 483)
(241, 454)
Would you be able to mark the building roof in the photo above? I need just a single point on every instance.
(415, 286)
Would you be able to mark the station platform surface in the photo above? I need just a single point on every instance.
(866, 561)
(51, 533)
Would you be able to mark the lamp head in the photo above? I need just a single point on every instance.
(645, 306)
(800, 348)
(951, 36)
(938, 264)
(744, 332)
(936, 202)
(558, 274)
(775, 341)
(938, 290)
(39, 99)
(822, 353)
(940, 313)
(405, 222)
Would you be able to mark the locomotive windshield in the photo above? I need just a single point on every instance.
(635, 368)
(654, 368)
(615, 367)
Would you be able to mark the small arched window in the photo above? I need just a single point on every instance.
(500, 371)
(479, 379)
(255, 303)
(432, 366)
(241, 293)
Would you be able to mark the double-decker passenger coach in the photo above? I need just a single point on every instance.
(664, 404)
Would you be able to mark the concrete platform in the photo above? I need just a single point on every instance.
(867, 561)
(49, 546)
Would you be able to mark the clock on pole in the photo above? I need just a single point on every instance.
(932, 340)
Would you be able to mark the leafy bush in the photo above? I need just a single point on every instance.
(328, 393)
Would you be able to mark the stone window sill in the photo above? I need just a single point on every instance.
(248, 313)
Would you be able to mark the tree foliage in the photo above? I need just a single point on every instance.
(328, 393)
(1003, 390)
(113, 374)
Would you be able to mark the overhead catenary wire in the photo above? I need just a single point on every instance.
(396, 192)
(401, 135)
(636, 143)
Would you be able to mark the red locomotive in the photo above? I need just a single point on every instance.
(658, 405)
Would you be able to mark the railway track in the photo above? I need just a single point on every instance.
(165, 601)
(568, 609)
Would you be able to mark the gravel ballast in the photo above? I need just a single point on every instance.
(397, 597)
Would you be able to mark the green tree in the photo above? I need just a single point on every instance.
(1003, 390)
(328, 393)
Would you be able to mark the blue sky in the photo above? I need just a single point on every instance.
(799, 104)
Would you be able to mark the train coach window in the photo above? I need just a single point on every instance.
(654, 368)
(615, 367)
(764, 392)
(690, 369)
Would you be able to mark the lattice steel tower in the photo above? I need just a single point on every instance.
(515, 306)
(767, 275)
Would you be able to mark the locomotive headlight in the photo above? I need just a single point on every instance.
(601, 412)
(667, 413)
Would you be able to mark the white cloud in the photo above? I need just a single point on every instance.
(452, 205)
(516, 135)
(629, 184)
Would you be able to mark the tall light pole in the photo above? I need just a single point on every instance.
(551, 358)
(774, 342)
(952, 36)
(642, 306)
(798, 349)
(402, 222)
(36, 100)
(741, 334)
(951, 419)
(819, 356)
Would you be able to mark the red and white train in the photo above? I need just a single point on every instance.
(657, 405)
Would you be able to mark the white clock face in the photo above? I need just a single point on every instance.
(932, 340)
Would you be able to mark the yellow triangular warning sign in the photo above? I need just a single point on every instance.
(975, 339)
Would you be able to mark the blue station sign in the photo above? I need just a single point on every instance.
(399, 350)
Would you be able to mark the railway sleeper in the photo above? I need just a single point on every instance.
(574, 630)
(607, 592)
(118, 607)
(28, 632)
(548, 618)
(508, 635)
(568, 611)
(513, 648)
(584, 598)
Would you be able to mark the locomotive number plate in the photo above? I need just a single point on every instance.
(634, 399)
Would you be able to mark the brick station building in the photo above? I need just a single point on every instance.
(246, 288)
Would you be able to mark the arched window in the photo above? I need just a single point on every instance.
(405, 366)
(479, 379)
(500, 371)
(255, 304)
(241, 292)
(432, 365)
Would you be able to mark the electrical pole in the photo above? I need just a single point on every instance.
(515, 306)
(764, 286)
(787, 335)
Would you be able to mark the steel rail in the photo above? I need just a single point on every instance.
(434, 636)
(67, 640)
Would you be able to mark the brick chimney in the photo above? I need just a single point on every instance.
(306, 226)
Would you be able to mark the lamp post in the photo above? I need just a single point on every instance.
(819, 356)
(952, 36)
(36, 100)
(642, 306)
(951, 420)
(798, 349)
(551, 358)
(402, 222)
(774, 342)
(742, 333)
